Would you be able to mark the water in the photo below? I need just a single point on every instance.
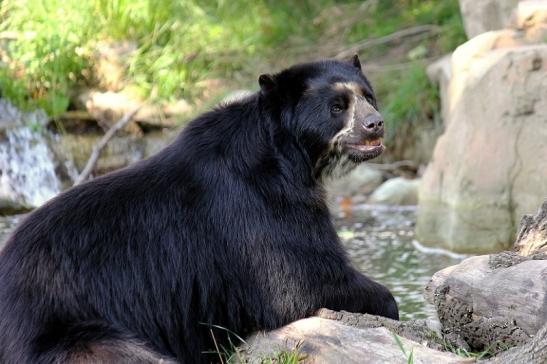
(380, 242)
(7, 224)
(27, 168)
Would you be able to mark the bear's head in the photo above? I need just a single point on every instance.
(329, 108)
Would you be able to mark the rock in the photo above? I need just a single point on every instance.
(489, 167)
(439, 72)
(7, 225)
(491, 302)
(532, 236)
(119, 152)
(531, 13)
(12, 206)
(362, 180)
(325, 341)
(533, 352)
(27, 169)
(480, 16)
(426, 332)
(396, 191)
(108, 107)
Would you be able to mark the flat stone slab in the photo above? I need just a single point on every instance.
(324, 341)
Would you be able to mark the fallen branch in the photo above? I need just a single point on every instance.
(409, 32)
(379, 68)
(102, 143)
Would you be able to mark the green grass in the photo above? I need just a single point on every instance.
(56, 38)
(285, 357)
(230, 354)
(408, 356)
(183, 42)
(410, 99)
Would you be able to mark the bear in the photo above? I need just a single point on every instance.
(226, 227)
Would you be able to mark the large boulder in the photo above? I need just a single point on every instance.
(496, 301)
(396, 191)
(491, 302)
(489, 167)
(362, 180)
(480, 16)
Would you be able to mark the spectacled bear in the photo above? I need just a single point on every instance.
(225, 227)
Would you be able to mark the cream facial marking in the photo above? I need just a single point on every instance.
(352, 86)
(356, 99)
(334, 163)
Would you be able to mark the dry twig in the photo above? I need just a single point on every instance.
(102, 143)
(409, 32)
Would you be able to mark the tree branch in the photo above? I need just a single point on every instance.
(102, 143)
(409, 32)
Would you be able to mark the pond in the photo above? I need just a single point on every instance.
(380, 242)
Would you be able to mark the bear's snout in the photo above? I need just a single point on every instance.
(374, 124)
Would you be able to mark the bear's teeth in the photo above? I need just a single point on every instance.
(375, 142)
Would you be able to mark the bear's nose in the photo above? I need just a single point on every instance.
(373, 123)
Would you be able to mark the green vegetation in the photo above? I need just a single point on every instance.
(285, 357)
(48, 47)
(231, 354)
(408, 356)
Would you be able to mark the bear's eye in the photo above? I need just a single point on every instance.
(336, 109)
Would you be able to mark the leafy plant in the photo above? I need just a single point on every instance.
(179, 44)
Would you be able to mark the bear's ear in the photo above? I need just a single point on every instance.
(266, 82)
(356, 62)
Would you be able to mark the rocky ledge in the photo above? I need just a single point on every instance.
(490, 307)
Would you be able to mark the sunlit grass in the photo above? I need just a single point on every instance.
(231, 354)
(50, 50)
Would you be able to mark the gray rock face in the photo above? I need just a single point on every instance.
(396, 191)
(489, 167)
(27, 169)
(480, 16)
(326, 341)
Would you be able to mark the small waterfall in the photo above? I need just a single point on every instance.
(27, 168)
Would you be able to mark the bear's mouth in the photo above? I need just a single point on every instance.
(368, 145)
(368, 149)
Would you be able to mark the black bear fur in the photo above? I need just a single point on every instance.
(226, 226)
